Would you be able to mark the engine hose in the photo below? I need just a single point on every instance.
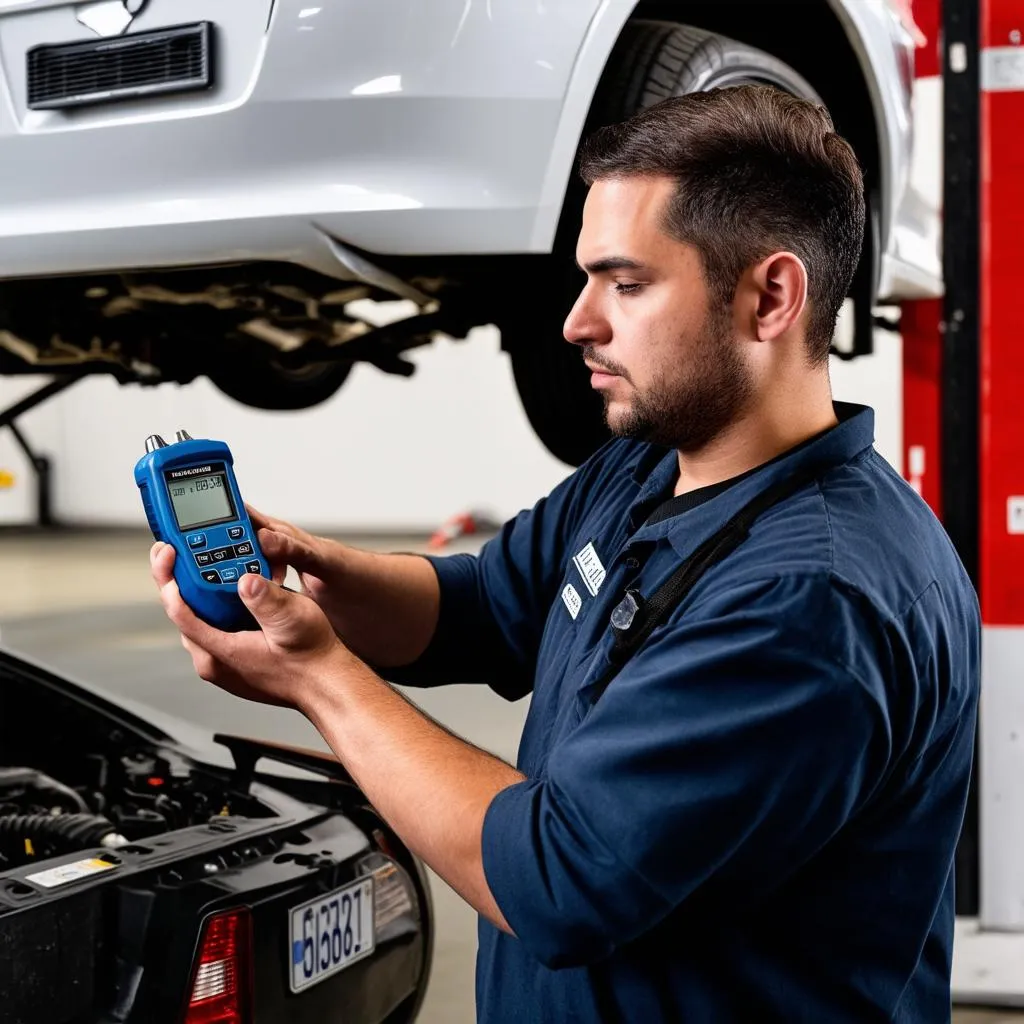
(38, 782)
(68, 831)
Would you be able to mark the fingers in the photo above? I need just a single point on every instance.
(189, 624)
(284, 550)
(261, 521)
(161, 562)
(202, 661)
(272, 546)
(285, 545)
(194, 632)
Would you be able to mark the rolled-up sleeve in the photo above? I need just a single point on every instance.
(726, 753)
(494, 605)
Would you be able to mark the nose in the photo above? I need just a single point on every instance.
(584, 325)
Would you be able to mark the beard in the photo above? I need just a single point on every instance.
(689, 411)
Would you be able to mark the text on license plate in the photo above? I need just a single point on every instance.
(330, 933)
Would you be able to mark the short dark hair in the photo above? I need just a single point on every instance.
(758, 171)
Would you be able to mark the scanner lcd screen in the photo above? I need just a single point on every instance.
(201, 500)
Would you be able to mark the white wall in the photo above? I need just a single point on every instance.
(385, 453)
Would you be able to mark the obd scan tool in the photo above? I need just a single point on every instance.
(192, 502)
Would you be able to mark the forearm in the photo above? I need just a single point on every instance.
(432, 788)
(385, 607)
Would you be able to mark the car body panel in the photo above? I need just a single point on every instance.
(397, 127)
(436, 142)
(911, 265)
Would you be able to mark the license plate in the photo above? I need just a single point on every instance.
(329, 933)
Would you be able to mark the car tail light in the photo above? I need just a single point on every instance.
(222, 977)
(391, 897)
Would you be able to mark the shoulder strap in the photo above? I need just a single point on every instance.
(635, 618)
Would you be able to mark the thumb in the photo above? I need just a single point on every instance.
(268, 603)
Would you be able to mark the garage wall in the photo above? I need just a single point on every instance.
(386, 454)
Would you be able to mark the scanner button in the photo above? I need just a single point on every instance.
(221, 553)
(234, 532)
(203, 559)
(196, 540)
(211, 576)
(253, 566)
(228, 575)
(241, 550)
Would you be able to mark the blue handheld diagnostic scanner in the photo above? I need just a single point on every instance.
(192, 501)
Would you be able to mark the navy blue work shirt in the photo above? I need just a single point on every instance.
(756, 821)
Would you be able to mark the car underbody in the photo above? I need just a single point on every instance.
(153, 327)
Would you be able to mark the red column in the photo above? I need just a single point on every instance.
(1001, 470)
(1001, 567)
(920, 319)
(922, 398)
(926, 16)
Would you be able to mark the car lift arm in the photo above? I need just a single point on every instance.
(40, 463)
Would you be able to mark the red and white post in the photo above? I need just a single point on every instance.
(1001, 464)
(989, 960)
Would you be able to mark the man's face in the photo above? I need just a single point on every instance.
(664, 357)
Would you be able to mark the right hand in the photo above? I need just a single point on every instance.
(317, 560)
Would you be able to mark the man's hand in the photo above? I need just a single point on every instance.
(317, 560)
(280, 664)
(383, 607)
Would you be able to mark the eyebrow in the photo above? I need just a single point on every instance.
(602, 266)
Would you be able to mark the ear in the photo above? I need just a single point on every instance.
(779, 284)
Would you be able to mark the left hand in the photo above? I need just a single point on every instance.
(281, 663)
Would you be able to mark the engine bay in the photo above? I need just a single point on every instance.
(106, 803)
(70, 781)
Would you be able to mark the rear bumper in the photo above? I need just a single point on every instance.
(313, 862)
(323, 120)
(364, 992)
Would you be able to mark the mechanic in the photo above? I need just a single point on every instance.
(743, 774)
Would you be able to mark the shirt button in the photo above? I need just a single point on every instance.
(632, 563)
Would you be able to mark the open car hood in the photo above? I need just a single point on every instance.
(160, 728)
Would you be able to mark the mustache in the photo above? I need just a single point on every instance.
(590, 356)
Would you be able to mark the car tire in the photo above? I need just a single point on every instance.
(258, 376)
(652, 61)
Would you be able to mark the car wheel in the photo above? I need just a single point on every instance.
(266, 380)
(652, 61)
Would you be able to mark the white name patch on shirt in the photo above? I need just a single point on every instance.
(572, 600)
(590, 568)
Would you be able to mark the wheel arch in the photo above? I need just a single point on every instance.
(831, 67)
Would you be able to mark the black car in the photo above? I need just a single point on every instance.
(143, 881)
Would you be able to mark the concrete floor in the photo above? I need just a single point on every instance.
(83, 603)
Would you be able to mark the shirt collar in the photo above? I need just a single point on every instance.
(854, 433)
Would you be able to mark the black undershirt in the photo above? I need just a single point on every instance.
(680, 503)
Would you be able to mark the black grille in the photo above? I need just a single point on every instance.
(82, 74)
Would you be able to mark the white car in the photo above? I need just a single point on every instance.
(206, 186)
